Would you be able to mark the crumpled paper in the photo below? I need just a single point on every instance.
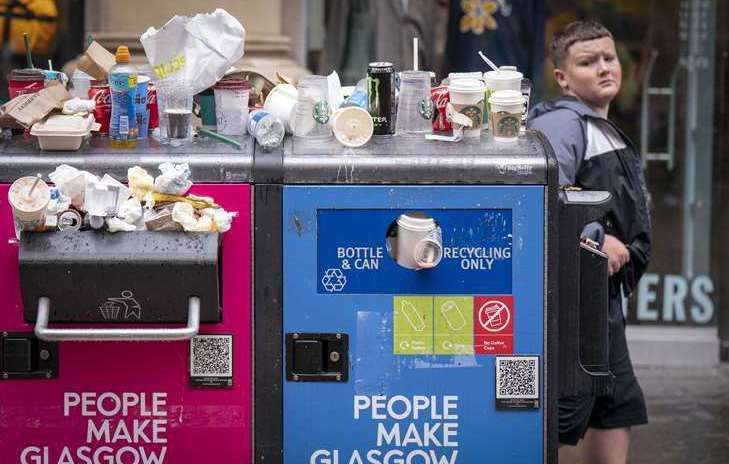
(174, 179)
(72, 183)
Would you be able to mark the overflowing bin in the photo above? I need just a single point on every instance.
(406, 300)
(132, 347)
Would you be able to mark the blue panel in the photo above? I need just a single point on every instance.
(328, 423)
(352, 243)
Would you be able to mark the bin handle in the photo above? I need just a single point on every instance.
(43, 332)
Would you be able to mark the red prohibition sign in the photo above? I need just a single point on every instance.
(494, 315)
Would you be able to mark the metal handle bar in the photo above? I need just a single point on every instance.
(158, 334)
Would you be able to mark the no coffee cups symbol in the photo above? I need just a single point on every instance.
(494, 316)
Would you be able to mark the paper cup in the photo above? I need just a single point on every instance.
(352, 126)
(466, 96)
(506, 109)
(280, 102)
(29, 211)
(504, 79)
(419, 244)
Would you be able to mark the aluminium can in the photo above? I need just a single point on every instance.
(381, 96)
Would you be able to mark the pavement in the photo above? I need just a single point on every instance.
(688, 411)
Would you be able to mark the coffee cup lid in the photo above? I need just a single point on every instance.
(466, 85)
(506, 97)
(502, 75)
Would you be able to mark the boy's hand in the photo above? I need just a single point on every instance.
(617, 252)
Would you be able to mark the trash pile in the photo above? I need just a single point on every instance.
(190, 88)
(80, 200)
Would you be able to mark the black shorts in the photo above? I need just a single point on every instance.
(624, 407)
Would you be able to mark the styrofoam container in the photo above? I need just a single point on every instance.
(64, 131)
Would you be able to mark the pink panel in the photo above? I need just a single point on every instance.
(192, 426)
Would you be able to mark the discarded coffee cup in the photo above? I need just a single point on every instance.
(352, 126)
(506, 78)
(281, 102)
(29, 198)
(415, 109)
(311, 115)
(231, 106)
(466, 96)
(419, 242)
(506, 110)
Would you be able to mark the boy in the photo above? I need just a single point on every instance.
(595, 155)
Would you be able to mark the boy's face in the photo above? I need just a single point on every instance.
(591, 71)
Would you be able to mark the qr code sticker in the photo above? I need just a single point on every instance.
(211, 356)
(517, 377)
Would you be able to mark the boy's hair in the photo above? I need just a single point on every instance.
(578, 31)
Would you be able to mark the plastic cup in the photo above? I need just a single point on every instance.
(507, 107)
(231, 106)
(80, 84)
(466, 96)
(140, 106)
(281, 102)
(352, 126)
(28, 203)
(174, 103)
(415, 109)
(311, 115)
(526, 91)
(507, 78)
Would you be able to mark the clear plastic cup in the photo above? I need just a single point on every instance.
(231, 106)
(414, 110)
(506, 110)
(311, 114)
(174, 102)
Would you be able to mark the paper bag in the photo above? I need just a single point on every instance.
(96, 62)
(199, 49)
(28, 109)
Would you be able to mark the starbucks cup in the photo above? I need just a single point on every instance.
(352, 126)
(280, 102)
(419, 242)
(506, 109)
(466, 96)
(507, 78)
(29, 198)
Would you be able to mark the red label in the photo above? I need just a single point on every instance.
(493, 324)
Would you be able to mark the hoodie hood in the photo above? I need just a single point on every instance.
(563, 102)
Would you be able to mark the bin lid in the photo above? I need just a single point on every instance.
(414, 160)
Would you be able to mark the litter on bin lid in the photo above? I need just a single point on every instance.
(80, 199)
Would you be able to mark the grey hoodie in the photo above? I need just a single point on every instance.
(594, 154)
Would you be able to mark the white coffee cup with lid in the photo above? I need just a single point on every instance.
(505, 118)
(467, 96)
(506, 78)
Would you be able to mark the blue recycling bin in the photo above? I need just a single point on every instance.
(405, 302)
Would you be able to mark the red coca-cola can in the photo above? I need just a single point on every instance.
(152, 106)
(101, 95)
(440, 98)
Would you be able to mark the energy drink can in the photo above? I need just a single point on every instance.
(381, 96)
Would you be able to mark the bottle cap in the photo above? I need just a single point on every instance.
(122, 54)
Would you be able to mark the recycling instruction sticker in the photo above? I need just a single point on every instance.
(453, 324)
(413, 324)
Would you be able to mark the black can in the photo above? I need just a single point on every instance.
(381, 96)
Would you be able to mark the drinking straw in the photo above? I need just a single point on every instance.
(35, 184)
(89, 40)
(28, 56)
(222, 138)
(50, 65)
(415, 53)
(489, 62)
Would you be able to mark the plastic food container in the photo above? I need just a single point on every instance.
(64, 132)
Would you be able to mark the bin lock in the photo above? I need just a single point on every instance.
(317, 357)
(583, 297)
